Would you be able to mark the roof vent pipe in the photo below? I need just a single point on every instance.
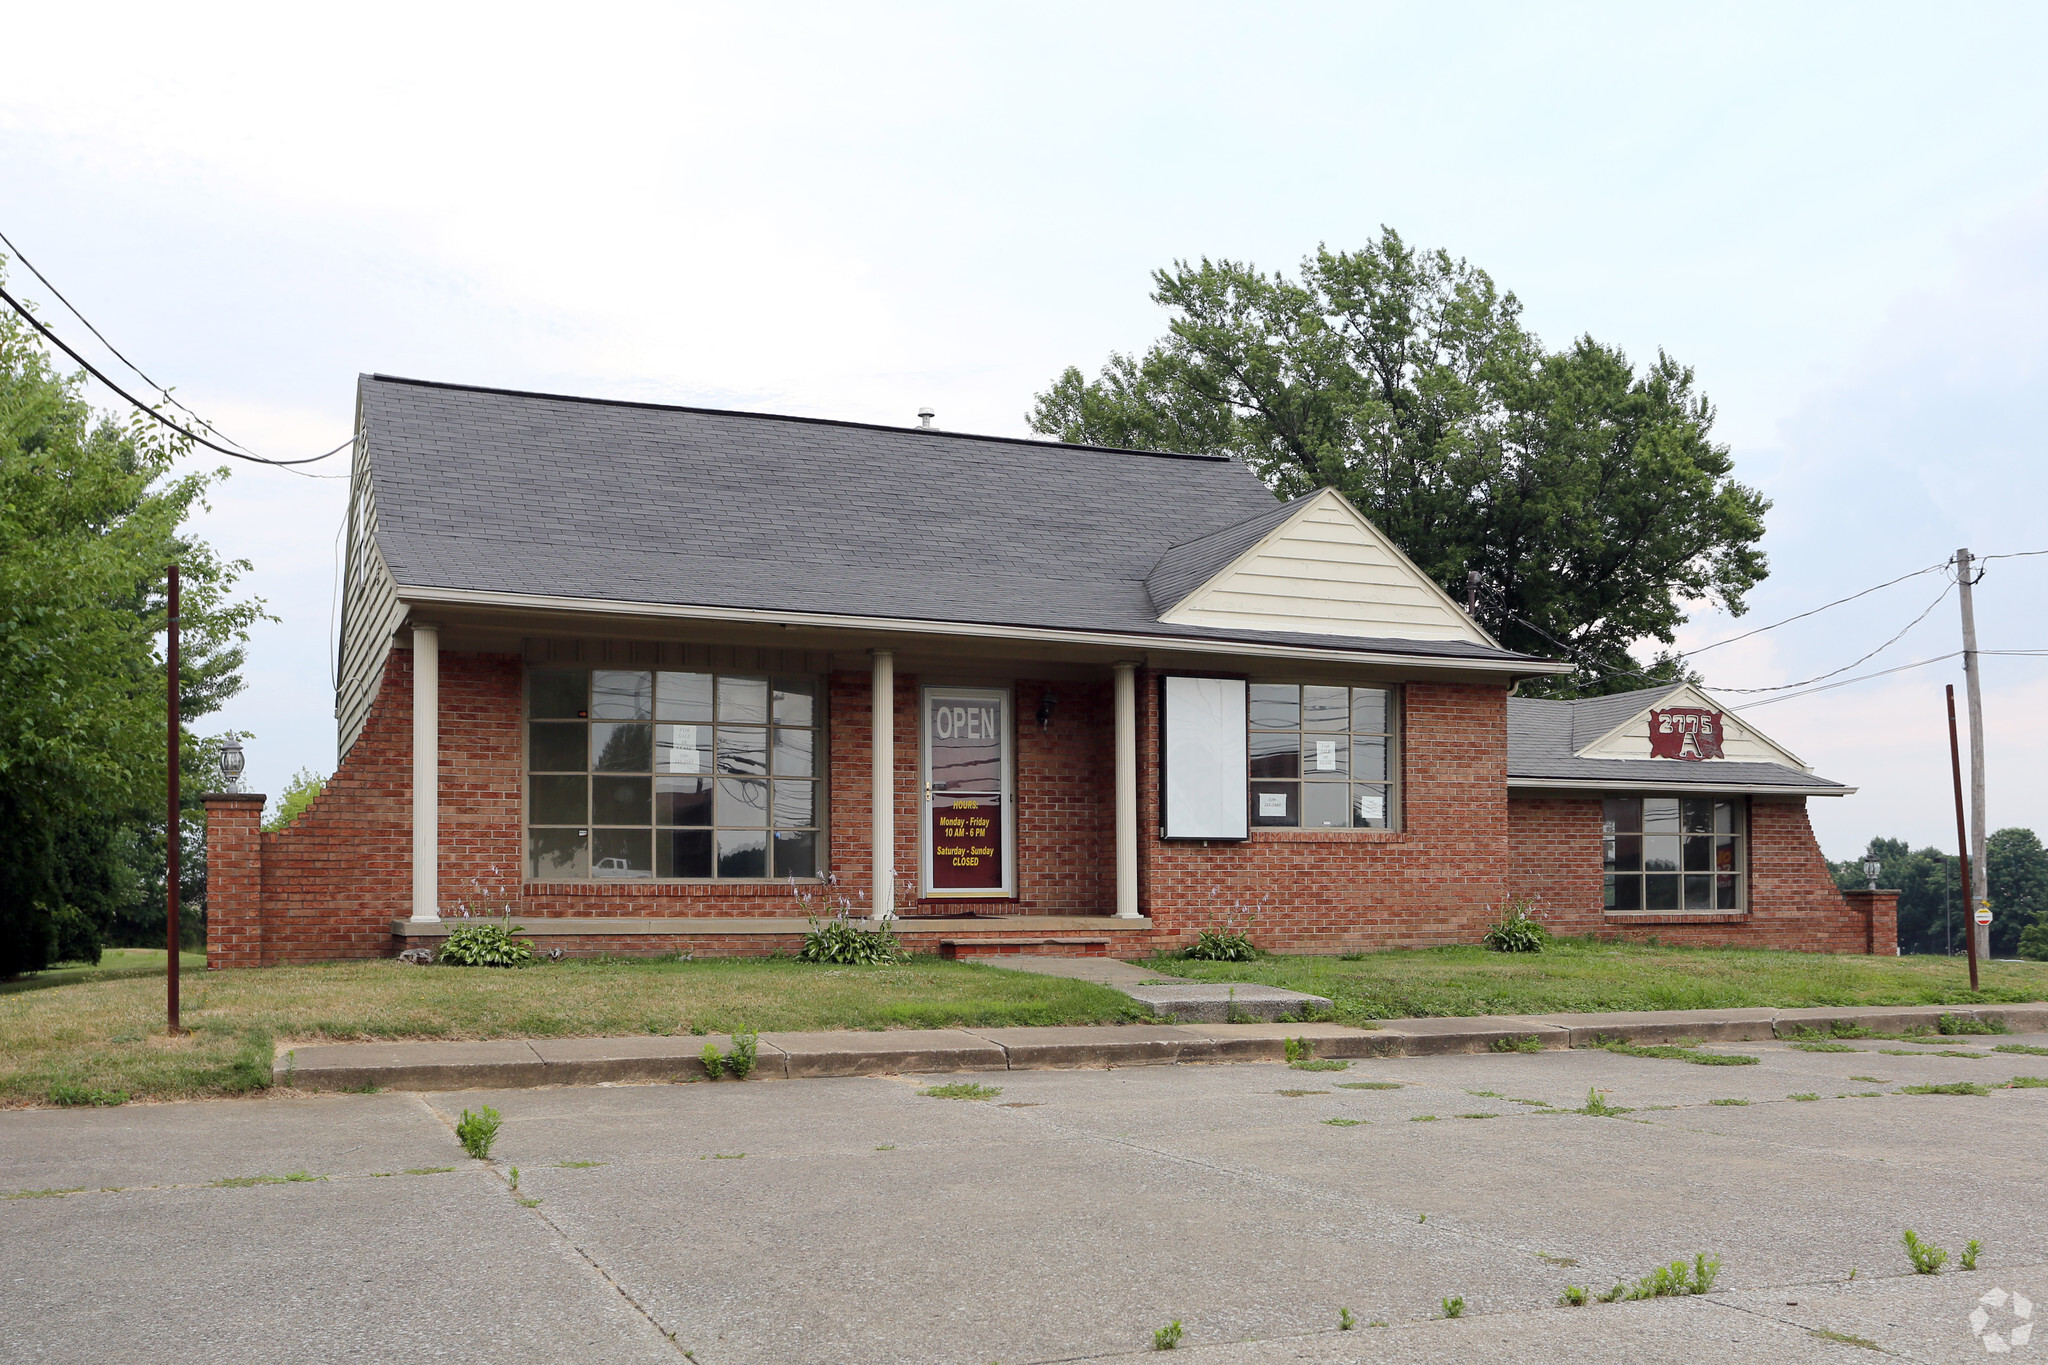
(924, 417)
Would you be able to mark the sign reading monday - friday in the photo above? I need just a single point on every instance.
(963, 734)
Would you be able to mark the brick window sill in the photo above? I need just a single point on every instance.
(1669, 917)
(649, 887)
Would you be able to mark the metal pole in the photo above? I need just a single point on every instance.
(1955, 760)
(1980, 888)
(171, 827)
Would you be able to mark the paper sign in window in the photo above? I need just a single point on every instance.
(679, 749)
(1326, 755)
(1372, 805)
(1272, 803)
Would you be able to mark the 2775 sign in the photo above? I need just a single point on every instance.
(1685, 732)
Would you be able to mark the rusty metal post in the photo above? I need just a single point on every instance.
(1955, 759)
(171, 824)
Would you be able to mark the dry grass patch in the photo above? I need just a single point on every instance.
(108, 1037)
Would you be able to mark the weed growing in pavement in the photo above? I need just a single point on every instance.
(724, 1156)
(1954, 1024)
(1322, 1064)
(1487, 1094)
(1534, 1104)
(1871, 1080)
(529, 1203)
(1345, 1322)
(1846, 1338)
(45, 1194)
(1479, 1116)
(1852, 1273)
(1527, 1042)
(1297, 1094)
(428, 1170)
(739, 1062)
(1167, 1337)
(1377, 1322)
(886, 1147)
(476, 1132)
(1971, 1250)
(1549, 1259)
(2026, 1082)
(1952, 1088)
(2027, 1048)
(1862, 1095)
(1423, 1118)
(1927, 1258)
(1345, 1123)
(1823, 1047)
(243, 1182)
(1599, 1108)
(962, 1090)
(578, 1165)
(515, 1179)
(1803, 1096)
(1454, 1306)
(1674, 1052)
(1574, 1296)
(1729, 1102)
(1368, 1085)
(1668, 1281)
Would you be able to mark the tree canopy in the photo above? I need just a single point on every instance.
(90, 516)
(1934, 913)
(1589, 497)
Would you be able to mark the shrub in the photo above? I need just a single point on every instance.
(476, 1132)
(1222, 944)
(1516, 931)
(746, 1045)
(485, 944)
(2034, 940)
(840, 942)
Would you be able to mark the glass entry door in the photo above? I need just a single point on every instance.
(967, 792)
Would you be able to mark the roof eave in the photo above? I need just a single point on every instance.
(427, 595)
(1633, 785)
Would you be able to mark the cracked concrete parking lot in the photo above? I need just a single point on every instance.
(1067, 1218)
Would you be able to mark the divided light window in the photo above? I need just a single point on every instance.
(1675, 853)
(1320, 757)
(634, 773)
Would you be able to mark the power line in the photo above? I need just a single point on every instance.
(143, 407)
(111, 347)
(1773, 701)
(1931, 568)
(1865, 659)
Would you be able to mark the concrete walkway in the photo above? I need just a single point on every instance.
(1172, 998)
(520, 1062)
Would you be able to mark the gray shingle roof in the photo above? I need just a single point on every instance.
(1189, 565)
(1544, 737)
(495, 491)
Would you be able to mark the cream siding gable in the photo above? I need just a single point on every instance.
(1326, 570)
(1740, 743)
(370, 610)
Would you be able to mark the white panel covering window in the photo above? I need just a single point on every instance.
(1204, 778)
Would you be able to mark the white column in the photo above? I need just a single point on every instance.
(1127, 791)
(883, 756)
(426, 772)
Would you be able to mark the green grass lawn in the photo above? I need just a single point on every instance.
(1576, 975)
(114, 964)
(101, 1041)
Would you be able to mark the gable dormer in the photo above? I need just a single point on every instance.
(1314, 566)
(1661, 725)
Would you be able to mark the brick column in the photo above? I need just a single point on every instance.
(234, 879)
(1880, 914)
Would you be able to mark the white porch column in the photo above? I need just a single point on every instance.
(882, 748)
(1127, 791)
(426, 772)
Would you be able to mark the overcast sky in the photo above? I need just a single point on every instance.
(1837, 214)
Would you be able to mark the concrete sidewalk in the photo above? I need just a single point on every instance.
(519, 1062)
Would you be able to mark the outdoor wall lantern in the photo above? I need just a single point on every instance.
(1046, 702)
(231, 762)
(1871, 867)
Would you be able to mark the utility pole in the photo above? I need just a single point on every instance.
(171, 827)
(1955, 760)
(1980, 885)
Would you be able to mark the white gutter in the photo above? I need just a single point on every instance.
(902, 625)
(1596, 784)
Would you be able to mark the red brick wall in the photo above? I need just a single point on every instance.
(1432, 881)
(234, 881)
(1555, 855)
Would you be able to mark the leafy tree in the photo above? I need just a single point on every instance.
(89, 518)
(1590, 498)
(1929, 883)
(297, 799)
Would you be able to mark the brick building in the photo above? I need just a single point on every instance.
(617, 668)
